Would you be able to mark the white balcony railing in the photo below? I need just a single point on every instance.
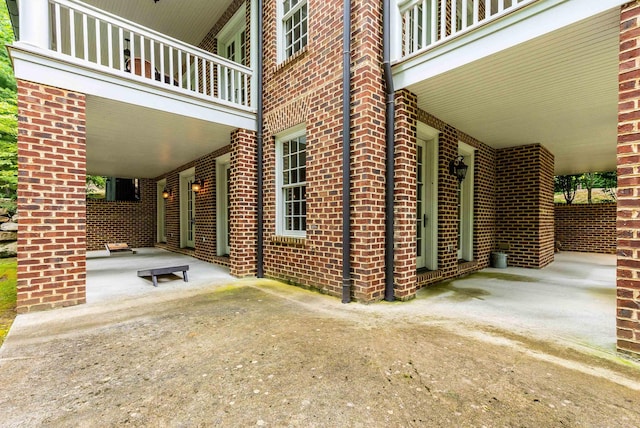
(84, 34)
(426, 23)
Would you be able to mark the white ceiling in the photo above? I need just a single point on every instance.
(186, 20)
(125, 140)
(559, 90)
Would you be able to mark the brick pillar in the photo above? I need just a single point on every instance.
(367, 154)
(628, 224)
(244, 202)
(405, 194)
(51, 197)
(524, 177)
(447, 203)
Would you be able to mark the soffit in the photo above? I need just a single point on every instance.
(188, 21)
(559, 90)
(126, 140)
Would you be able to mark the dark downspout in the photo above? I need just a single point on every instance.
(390, 130)
(260, 237)
(346, 153)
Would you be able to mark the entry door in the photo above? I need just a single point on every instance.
(223, 211)
(234, 49)
(426, 205)
(191, 214)
(187, 209)
(421, 215)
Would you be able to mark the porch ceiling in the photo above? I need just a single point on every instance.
(126, 140)
(186, 21)
(559, 90)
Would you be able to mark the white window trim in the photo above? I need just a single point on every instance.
(282, 55)
(291, 133)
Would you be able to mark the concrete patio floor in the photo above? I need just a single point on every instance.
(114, 278)
(571, 300)
(502, 347)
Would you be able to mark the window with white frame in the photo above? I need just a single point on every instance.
(293, 27)
(291, 182)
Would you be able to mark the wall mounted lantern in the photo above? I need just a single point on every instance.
(166, 193)
(197, 185)
(458, 168)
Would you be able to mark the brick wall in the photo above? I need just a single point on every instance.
(484, 205)
(205, 244)
(133, 222)
(405, 199)
(525, 205)
(588, 228)
(306, 89)
(51, 197)
(628, 273)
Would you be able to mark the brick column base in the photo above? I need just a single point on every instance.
(51, 198)
(244, 203)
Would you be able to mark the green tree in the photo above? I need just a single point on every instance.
(588, 181)
(8, 112)
(567, 184)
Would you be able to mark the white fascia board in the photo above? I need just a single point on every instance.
(43, 68)
(535, 20)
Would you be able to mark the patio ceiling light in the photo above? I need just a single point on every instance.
(197, 185)
(458, 168)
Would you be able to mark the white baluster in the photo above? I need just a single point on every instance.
(72, 32)
(98, 44)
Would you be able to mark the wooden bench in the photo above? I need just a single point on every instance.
(119, 247)
(154, 272)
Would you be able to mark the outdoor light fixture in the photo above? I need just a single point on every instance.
(458, 168)
(166, 193)
(197, 185)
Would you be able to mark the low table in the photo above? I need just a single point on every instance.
(154, 272)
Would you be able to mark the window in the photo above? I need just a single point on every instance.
(291, 203)
(293, 27)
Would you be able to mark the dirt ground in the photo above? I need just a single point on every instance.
(262, 354)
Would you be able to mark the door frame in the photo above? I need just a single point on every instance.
(161, 211)
(430, 137)
(186, 177)
(223, 163)
(465, 250)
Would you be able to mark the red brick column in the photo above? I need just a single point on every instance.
(51, 197)
(628, 224)
(405, 194)
(367, 154)
(244, 202)
(525, 205)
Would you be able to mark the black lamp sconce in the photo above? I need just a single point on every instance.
(458, 168)
(166, 193)
(197, 185)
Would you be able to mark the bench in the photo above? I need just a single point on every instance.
(154, 272)
(119, 247)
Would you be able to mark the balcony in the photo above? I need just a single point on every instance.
(142, 84)
(516, 72)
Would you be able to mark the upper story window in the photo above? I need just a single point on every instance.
(293, 27)
(291, 182)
